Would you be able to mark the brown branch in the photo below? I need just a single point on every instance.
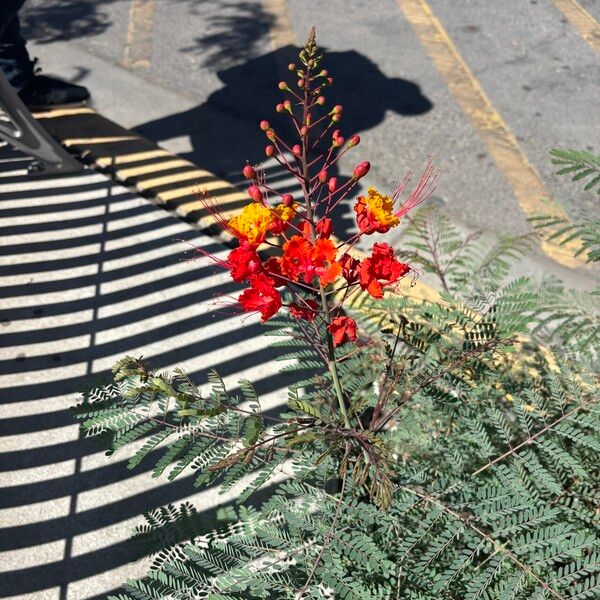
(525, 568)
(529, 440)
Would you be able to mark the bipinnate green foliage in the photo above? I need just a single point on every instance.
(471, 470)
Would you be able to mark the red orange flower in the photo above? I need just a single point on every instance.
(261, 296)
(381, 269)
(243, 262)
(302, 261)
(307, 309)
(252, 224)
(350, 267)
(343, 329)
(375, 213)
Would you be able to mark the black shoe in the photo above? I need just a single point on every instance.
(42, 92)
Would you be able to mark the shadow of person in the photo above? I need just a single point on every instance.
(224, 132)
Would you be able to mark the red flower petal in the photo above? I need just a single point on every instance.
(343, 329)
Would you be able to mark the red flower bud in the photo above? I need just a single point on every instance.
(303, 130)
(249, 172)
(354, 141)
(270, 150)
(361, 169)
(255, 193)
(270, 135)
(321, 100)
(287, 199)
(324, 227)
(282, 85)
(339, 141)
(308, 118)
(322, 176)
(264, 125)
(324, 73)
(291, 67)
(287, 105)
(338, 108)
(336, 134)
(332, 184)
(300, 83)
(279, 108)
(336, 118)
(330, 80)
(297, 150)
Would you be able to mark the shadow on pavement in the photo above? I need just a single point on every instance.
(224, 130)
(89, 271)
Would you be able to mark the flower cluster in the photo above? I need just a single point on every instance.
(289, 243)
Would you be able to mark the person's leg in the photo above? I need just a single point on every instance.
(14, 60)
(36, 91)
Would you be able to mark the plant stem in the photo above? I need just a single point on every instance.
(331, 364)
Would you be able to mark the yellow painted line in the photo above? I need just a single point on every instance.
(281, 30)
(62, 112)
(156, 167)
(139, 42)
(191, 175)
(104, 161)
(501, 143)
(210, 186)
(99, 140)
(582, 21)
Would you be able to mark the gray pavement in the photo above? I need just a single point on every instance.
(539, 73)
(90, 272)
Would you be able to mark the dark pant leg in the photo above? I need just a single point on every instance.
(14, 59)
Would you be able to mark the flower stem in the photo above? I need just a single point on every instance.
(331, 364)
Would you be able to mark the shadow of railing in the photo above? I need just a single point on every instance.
(88, 273)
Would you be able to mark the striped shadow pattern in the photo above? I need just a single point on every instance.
(90, 271)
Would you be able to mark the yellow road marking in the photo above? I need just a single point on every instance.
(281, 31)
(499, 140)
(139, 42)
(210, 186)
(104, 161)
(98, 140)
(62, 112)
(582, 21)
(191, 175)
(174, 163)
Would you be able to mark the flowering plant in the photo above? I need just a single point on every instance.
(305, 267)
(416, 459)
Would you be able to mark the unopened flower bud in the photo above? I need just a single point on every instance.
(339, 141)
(324, 73)
(283, 85)
(297, 150)
(321, 100)
(330, 81)
(354, 141)
(332, 184)
(291, 67)
(270, 135)
(287, 199)
(335, 118)
(255, 193)
(249, 172)
(287, 105)
(324, 227)
(303, 130)
(338, 108)
(308, 118)
(336, 134)
(300, 83)
(264, 125)
(322, 176)
(361, 169)
(270, 150)
(279, 108)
